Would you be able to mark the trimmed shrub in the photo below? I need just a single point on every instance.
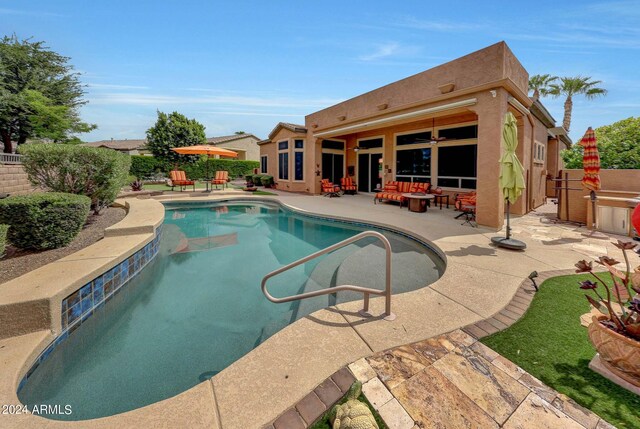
(95, 172)
(257, 179)
(266, 180)
(45, 220)
(248, 178)
(3, 238)
(146, 167)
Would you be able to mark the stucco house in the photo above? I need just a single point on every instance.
(244, 144)
(130, 147)
(441, 126)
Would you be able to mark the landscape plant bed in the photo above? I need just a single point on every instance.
(550, 343)
(18, 262)
(325, 423)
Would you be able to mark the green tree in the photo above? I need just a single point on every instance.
(174, 130)
(40, 94)
(571, 86)
(618, 144)
(540, 84)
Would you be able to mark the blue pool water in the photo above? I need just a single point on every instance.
(198, 306)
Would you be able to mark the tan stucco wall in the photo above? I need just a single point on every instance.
(250, 151)
(271, 149)
(489, 65)
(14, 180)
(622, 183)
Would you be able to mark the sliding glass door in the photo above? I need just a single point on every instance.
(333, 167)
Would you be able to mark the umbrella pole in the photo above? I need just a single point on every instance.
(508, 220)
(593, 209)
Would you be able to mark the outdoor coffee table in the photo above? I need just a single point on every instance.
(418, 202)
(440, 197)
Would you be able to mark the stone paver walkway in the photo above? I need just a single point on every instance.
(454, 381)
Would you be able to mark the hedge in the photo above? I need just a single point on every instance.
(147, 166)
(45, 220)
(95, 172)
(263, 179)
(3, 238)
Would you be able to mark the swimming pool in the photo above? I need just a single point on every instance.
(198, 306)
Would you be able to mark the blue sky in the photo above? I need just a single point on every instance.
(247, 65)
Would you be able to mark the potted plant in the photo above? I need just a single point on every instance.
(616, 332)
(249, 185)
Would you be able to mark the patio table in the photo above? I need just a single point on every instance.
(418, 202)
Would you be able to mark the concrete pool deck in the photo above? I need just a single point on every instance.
(480, 280)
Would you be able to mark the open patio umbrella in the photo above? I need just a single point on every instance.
(205, 149)
(511, 178)
(591, 166)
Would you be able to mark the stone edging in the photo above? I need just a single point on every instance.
(516, 308)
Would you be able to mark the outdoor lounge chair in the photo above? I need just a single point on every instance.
(221, 178)
(329, 189)
(348, 187)
(179, 178)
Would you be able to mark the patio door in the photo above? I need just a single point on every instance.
(333, 167)
(369, 171)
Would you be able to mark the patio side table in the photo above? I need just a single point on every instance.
(440, 197)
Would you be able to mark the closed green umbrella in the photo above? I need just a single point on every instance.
(511, 177)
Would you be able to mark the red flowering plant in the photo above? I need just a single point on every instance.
(620, 302)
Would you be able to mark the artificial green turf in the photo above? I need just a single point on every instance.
(325, 423)
(550, 344)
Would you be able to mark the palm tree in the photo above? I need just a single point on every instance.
(570, 86)
(540, 84)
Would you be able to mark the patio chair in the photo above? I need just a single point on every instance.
(179, 178)
(221, 178)
(348, 187)
(329, 189)
(464, 199)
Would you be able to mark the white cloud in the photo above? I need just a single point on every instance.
(113, 86)
(381, 51)
(434, 25)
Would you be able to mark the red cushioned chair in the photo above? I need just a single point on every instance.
(329, 189)
(179, 178)
(348, 187)
(221, 178)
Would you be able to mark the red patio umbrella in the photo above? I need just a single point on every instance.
(591, 166)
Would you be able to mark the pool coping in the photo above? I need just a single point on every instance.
(221, 388)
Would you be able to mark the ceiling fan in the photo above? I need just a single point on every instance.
(433, 139)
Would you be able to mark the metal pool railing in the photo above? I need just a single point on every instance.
(365, 291)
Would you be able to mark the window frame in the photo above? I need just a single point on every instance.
(295, 151)
(286, 153)
(264, 164)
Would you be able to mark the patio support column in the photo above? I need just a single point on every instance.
(490, 110)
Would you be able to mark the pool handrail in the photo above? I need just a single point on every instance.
(365, 291)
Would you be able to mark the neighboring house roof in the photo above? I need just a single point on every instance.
(287, 126)
(224, 139)
(119, 144)
(261, 142)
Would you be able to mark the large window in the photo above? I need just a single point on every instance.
(283, 160)
(457, 166)
(370, 143)
(459, 133)
(413, 164)
(263, 164)
(415, 138)
(332, 144)
(298, 160)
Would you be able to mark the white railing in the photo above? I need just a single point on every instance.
(10, 158)
(365, 291)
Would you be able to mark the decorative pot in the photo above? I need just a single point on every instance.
(619, 354)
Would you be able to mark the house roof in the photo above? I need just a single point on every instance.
(287, 126)
(539, 111)
(224, 139)
(125, 144)
(263, 141)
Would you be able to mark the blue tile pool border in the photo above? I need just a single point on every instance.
(78, 306)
